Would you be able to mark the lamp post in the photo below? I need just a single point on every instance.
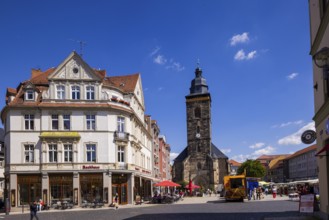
(321, 60)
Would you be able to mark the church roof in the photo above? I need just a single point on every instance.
(215, 153)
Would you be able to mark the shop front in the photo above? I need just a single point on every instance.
(29, 190)
(61, 188)
(91, 187)
(120, 187)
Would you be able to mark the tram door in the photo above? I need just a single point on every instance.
(121, 189)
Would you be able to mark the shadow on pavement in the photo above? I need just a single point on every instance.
(224, 216)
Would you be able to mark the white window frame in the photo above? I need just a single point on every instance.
(67, 118)
(29, 119)
(121, 154)
(92, 150)
(75, 92)
(54, 119)
(29, 95)
(68, 153)
(60, 92)
(52, 153)
(91, 122)
(90, 92)
(121, 124)
(29, 153)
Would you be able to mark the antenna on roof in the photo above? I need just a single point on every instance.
(82, 44)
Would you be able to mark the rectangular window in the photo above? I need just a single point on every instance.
(91, 122)
(60, 92)
(90, 93)
(75, 92)
(29, 122)
(54, 122)
(121, 154)
(52, 153)
(68, 153)
(67, 122)
(29, 95)
(121, 124)
(91, 152)
(29, 153)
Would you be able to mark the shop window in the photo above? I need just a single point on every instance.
(29, 189)
(61, 188)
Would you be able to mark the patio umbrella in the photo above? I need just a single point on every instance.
(192, 186)
(166, 183)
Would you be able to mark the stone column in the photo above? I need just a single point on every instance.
(131, 184)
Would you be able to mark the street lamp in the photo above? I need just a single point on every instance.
(321, 60)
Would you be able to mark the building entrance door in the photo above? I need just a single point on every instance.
(121, 189)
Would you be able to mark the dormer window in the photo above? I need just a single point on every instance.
(29, 95)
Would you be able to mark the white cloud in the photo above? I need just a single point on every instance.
(225, 151)
(173, 156)
(159, 59)
(175, 66)
(257, 145)
(285, 124)
(266, 150)
(292, 76)
(241, 157)
(295, 138)
(239, 38)
(241, 55)
(155, 51)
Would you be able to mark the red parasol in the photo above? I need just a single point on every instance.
(166, 183)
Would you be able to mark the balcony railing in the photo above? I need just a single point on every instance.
(121, 136)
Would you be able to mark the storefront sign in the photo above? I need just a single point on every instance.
(306, 203)
(90, 167)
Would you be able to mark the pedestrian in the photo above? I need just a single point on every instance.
(33, 210)
(266, 191)
(116, 200)
(254, 193)
(274, 191)
(259, 191)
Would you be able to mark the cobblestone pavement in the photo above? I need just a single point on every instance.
(191, 208)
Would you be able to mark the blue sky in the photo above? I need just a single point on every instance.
(254, 55)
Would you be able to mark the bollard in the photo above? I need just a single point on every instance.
(22, 206)
(7, 206)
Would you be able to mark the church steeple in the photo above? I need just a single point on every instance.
(198, 84)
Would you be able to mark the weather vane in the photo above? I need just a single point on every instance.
(82, 44)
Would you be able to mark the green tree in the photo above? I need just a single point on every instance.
(253, 168)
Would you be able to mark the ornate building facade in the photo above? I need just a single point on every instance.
(74, 134)
(201, 161)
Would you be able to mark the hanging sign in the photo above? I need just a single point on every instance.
(308, 137)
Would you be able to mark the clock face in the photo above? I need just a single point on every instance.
(197, 135)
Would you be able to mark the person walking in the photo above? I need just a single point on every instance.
(33, 210)
(274, 191)
(116, 200)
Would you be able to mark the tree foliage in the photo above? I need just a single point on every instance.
(253, 168)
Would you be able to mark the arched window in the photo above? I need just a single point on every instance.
(197, 112)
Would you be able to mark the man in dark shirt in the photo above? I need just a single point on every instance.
(33, 210)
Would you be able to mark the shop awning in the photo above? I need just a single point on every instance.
(60, 134)
(325, 148)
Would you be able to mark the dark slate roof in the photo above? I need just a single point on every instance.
(182, 155)
(215, 153)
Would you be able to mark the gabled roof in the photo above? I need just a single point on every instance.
(125, 83)
(270, 157)
(276, 161)
(234, 163)
(302, 151)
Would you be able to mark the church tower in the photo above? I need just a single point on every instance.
(201, 161)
